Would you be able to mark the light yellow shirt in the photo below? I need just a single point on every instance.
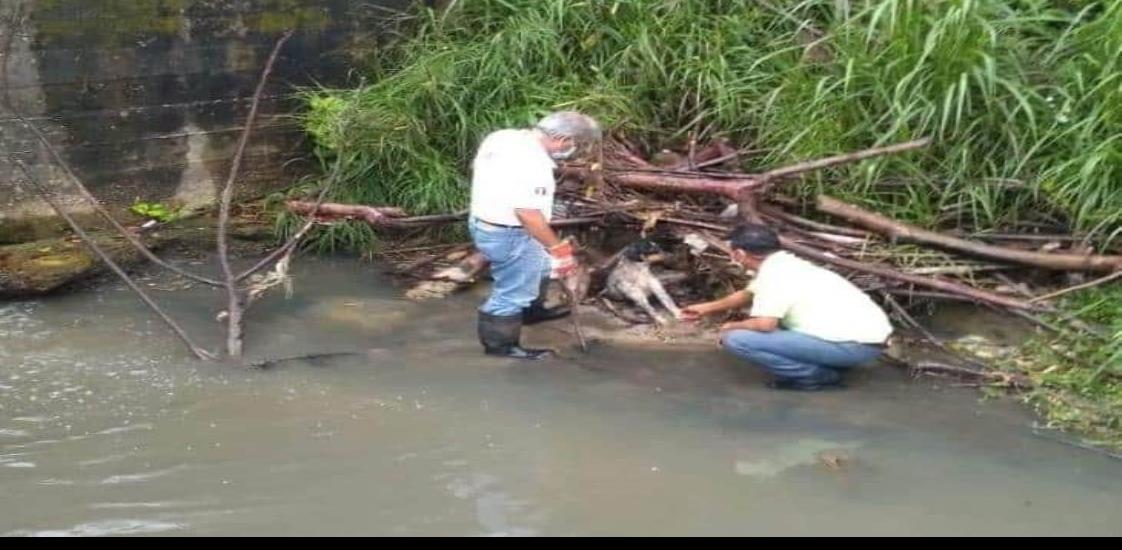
(816, 301)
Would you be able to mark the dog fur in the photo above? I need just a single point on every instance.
(632, 279)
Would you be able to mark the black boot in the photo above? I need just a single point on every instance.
(538, 313)
(501, 337)
(824, 379)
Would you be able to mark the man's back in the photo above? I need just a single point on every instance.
(511, 170)
(816, 301)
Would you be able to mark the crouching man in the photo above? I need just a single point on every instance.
(807, 324)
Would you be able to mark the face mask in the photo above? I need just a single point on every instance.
(564, 155)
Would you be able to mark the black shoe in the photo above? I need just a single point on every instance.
(516, 352)
(804, 385)
(538, 313)
(534, 315)
(500, 337)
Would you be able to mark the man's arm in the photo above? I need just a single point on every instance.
(732, 301)
(533, 221)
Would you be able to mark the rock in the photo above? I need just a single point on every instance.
(42, 267)
(45, 266)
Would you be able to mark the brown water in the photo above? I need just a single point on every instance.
(106, 429)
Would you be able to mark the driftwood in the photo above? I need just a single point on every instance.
(372, 215)
(903, 231)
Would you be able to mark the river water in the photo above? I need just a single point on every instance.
(106, 428)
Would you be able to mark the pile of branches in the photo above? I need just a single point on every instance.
(698, 196)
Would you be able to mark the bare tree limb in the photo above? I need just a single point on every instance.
(295, 239)
(901, 230)
(195, 349)
(845, 158)
(235, 320)
(1091, 284)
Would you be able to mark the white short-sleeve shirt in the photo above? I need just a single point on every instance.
(816, 301)
(512, 170)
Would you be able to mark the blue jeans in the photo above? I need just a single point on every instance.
(793, 355)
(518, 265)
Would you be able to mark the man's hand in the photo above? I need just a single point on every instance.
(562, 262)
(695, 312)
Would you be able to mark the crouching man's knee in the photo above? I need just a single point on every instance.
(741, 343)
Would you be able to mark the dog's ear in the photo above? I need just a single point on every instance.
(634, 252)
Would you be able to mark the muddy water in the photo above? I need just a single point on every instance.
(106, 429)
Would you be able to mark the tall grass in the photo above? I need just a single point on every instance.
(1024, 97)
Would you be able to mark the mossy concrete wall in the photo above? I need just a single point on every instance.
(146, 98)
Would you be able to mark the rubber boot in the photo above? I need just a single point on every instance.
(538, 313)
(501, 337)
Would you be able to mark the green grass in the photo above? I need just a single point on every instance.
(1027, 91)
(1022, 97)
(1079, 378)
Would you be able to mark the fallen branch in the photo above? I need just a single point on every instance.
(1091, 284)
(195, 349)
(845, 158)
(900, 230)
(373, 215)
(738, 187)
(811, 225)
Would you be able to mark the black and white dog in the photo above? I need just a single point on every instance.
(632, 279)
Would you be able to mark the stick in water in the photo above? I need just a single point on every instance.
(578, 330)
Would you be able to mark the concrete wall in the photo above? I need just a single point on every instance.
(146, 98)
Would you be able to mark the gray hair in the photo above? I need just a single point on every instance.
(581, 128)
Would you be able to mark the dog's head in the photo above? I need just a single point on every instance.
(641, 251)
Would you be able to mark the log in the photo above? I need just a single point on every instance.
(673, 183)
(372, 215)
(739, 187)
(903, 231)
(845, 158)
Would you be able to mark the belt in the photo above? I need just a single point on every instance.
(485, 222)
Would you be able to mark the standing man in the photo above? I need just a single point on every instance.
(511, 207)
(807, 324)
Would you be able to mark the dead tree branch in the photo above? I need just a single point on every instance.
(899, 230)
(234, 323)
(195, 349)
